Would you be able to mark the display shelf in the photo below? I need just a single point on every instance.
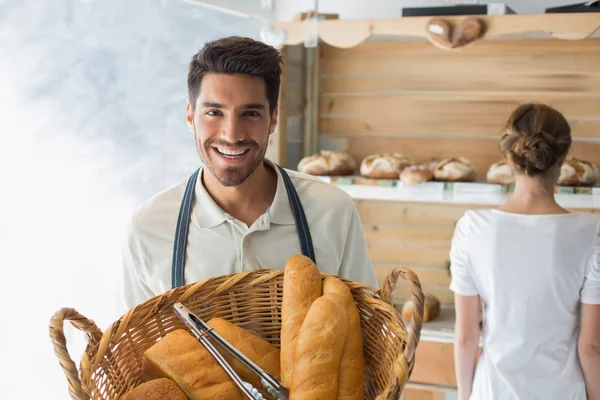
(454, 193)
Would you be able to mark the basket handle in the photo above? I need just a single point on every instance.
(60, 345)
(386, 293)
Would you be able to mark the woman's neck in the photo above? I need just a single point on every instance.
(533, 195)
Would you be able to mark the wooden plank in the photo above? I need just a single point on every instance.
(410, 255)
(430, 276)
(430, 236)
(411, 214)
(475, 117)
(434, 364)
(482, 152)
(507, 66)
(531, 47)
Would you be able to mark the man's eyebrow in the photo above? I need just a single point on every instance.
(254, 106)
(209, 104)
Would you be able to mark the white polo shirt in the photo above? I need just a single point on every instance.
(218, 244)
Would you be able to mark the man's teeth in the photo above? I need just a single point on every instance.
(231, 152)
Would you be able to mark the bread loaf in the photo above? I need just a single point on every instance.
(181, 357)
(431, 308)
(455, 170)
(261, 352)
(576, 172)
(157, 389)
(301, 287)
(328, 163)
(350, 384)
(501, 173)
(318, 354)
(415, 175)
(384, 166)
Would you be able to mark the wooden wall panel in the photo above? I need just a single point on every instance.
(416, 99)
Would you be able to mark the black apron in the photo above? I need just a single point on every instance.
(183, 224)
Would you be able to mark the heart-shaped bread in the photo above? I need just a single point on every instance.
(442, 32)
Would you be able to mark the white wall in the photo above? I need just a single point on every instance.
(92, 121)
(351, 9)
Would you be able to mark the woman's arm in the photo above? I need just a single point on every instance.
(589, 348)
(466, 342)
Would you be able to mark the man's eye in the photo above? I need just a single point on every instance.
(213, 113)
(252, 113)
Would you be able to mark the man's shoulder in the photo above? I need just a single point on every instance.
(163, 205)
(311, 187)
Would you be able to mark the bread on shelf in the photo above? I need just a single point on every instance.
(575, 172)
(384, 165)
(328, 163)
(416, 174)
(501, 173)
(431, 309)
(458, 169)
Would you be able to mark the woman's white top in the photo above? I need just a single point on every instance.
(532, 273)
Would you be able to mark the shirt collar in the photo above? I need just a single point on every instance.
(208, 214)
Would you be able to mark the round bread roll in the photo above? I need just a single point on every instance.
(576, 172)
(432, 165)
(501, 173)
(430, 311)
(328, 163)
(455, 170)
(416, 174)
(384, 166)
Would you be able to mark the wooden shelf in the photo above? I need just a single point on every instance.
(476, 193)
(352, 32)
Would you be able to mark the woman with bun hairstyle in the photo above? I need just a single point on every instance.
(534, 268)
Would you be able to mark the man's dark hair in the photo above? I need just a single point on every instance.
(237, 55)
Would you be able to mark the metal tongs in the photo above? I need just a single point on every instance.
(201, 330)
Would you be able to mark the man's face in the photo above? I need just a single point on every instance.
(232, 124)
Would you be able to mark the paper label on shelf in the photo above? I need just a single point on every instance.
(596, 197)
(470, 191)
(422, 188)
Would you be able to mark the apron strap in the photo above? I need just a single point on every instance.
(181, 232)
(306, 244)
(183, 223)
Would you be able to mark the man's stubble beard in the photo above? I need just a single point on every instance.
(230, 177)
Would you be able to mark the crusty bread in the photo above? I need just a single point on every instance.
(261, 352)
(575, 172)
(318, 354)
(455, 170)
(431, 308)
(181, 357)
(301, 287)
(351, 383)
(501, 173)
(328, 163)
(157, 389)
(415, 175)
(384, 166)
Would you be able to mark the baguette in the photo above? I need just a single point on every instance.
(261, 352)
(319, 348)
(181, 357)
(301, 287)
(351, 384)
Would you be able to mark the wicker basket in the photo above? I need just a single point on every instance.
(111, 363)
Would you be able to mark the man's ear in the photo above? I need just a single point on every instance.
(189, 116)
(274, 117)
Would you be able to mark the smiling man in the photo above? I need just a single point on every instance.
(239, 211)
